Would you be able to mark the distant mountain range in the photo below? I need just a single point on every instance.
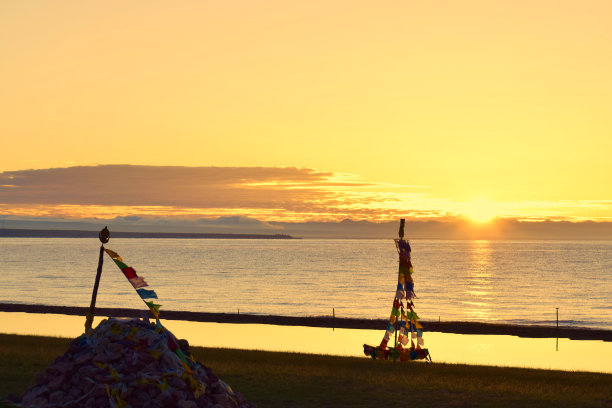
(244, 227)
(41, 233)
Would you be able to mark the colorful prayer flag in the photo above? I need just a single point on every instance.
(137, 282)
(147, 294)
(129, 272)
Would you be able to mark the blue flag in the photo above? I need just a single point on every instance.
(147, 294)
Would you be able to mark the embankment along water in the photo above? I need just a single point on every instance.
(327, 321)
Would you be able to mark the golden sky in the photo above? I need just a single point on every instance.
(479, 108)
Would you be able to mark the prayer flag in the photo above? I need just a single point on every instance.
(147, 294)
(129, 272)
(120, 263)
(138, 282)
(153, 306)
(383, 343)
(113, 254)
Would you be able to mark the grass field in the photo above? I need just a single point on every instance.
(272, 379)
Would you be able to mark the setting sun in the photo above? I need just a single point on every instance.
(481, 211)
(292, 111)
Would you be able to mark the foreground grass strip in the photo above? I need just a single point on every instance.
(272, 379)
(301, 380)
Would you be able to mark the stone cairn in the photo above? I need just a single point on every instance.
(129, 363)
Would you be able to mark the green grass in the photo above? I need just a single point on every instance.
(272, 379)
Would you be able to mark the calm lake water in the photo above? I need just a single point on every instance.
(517, 282)
(510, 351)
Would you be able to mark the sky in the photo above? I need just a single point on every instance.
(307, 111)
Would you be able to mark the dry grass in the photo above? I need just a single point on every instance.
(272, 379)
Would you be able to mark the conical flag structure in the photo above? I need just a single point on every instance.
(404, 322)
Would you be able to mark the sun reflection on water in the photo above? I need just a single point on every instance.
(479, 289)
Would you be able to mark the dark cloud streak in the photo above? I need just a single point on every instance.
(174, 186)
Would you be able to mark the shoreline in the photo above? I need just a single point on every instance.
(455, 327)
(43, 233)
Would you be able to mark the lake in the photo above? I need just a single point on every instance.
(514, 282)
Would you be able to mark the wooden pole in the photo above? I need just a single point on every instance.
(557, 329)
(401, 237)
(104, 236)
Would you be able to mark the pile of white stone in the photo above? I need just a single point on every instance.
(128, 363)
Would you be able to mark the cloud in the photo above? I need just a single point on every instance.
(125, 185)
(264, 193)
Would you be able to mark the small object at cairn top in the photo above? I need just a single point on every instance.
(104, 235)
(401, 228)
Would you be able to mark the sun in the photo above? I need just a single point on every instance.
(481, 210)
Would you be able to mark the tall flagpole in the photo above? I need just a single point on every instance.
(401, 238)
(104, 237)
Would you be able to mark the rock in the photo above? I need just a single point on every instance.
(142, 397)
(113, 356)
(187, 404)
(101, 402)
(219, 398)
(62, 367)
(115, 347)
(98, 391)
(168, 360)
(157, 404)
(74, 393)
(184, 345)
(129, 363)
(56, 382)
(75, 381)
(86, 371)
(153, 392)
(177, 383)
(56, 397)
(100, 358)
(83, 358)
(40, 402)
(104, 378)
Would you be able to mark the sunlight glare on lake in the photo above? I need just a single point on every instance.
(478, 299)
